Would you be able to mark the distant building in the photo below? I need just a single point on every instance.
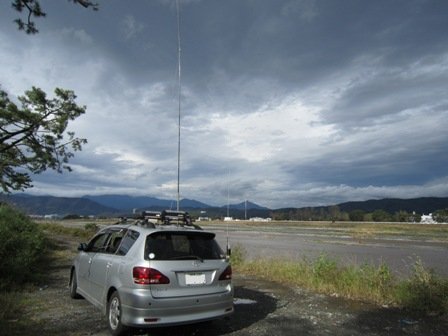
(203, 217)
(259, 219)
(427, 219)
(228, 219)
(52, 216)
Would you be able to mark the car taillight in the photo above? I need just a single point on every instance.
(149, 276)
(227, 274)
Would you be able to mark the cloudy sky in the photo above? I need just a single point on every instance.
(284, 102)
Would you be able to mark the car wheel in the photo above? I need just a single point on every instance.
(116, 328)
(74, 286)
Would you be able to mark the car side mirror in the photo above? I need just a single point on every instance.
(82, 247)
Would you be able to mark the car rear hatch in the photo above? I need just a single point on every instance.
(188, 263)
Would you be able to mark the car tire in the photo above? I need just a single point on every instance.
(74, 286)
(113, 315)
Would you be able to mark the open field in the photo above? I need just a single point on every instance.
(397, 245)
(374, 230)
(432, 232)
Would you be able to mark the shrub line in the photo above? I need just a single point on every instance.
(423, 292)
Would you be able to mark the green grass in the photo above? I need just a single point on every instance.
(424, 291)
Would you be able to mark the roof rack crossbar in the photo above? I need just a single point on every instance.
(168, 217)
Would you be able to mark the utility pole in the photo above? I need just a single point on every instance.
(245, 210)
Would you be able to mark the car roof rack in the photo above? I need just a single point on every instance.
(167, 217)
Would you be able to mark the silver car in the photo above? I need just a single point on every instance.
(149, 274)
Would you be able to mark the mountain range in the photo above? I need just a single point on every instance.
(46, 205)
(116, 205)
(123, 202)
(422, 205)
(108, 205)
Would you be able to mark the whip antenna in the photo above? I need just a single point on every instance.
(179, 100)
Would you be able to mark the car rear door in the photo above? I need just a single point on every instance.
(96, 245)
(192, 260)
(104, 263)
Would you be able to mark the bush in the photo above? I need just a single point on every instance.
(91, 227)
(238, 255)
(324, 269)
(424, 291)
(23, 243)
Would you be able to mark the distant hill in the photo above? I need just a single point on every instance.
(124, 205)
(422, 205)
(393, 206)
(128, 203)
(189, 203)
(246, 205)
(120, 205)
(46, 205)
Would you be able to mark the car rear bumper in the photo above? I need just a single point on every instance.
(144, 311)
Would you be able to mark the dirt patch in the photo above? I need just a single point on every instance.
(261, 308)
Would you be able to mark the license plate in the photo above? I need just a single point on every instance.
(194, 279)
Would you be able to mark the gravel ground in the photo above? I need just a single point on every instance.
(261, 308)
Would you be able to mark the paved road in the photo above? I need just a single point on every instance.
(399, 253)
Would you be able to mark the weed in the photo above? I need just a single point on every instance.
(324, 269)
(238, 255)
(91, 227)
(424, 291)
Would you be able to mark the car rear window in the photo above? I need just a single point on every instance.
(182, 246)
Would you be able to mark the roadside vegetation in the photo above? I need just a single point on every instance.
(26, 251)
(423, 292)
(23, 244)
(22, 248)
